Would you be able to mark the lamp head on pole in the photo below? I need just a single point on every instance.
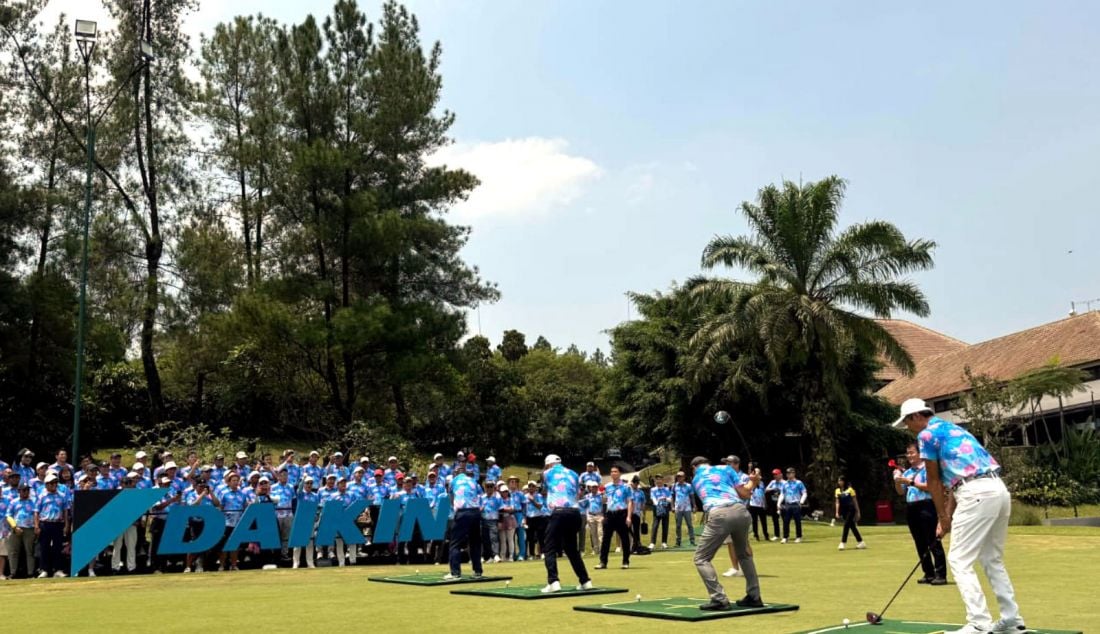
(147, 52)
(85, 32)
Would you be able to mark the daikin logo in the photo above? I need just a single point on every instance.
(258, 524)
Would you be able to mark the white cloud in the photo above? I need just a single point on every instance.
(518, 176)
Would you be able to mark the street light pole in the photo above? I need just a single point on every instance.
(85, 40)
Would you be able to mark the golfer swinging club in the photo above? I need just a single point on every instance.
(726, 515)
(978, 514)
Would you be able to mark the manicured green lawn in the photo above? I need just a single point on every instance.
(1056, 572)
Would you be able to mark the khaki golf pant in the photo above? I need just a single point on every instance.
(595, 531)
(731, 521)
(128, 538)
(979, 528)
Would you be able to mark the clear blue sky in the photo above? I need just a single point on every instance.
(640, 126)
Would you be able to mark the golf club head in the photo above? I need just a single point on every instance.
(874, 619)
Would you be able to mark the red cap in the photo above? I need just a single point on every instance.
(471, 458)
(892, 463)
(379, 472)
(400, 476)
(776, 472)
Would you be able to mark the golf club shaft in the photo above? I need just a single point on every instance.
(927, 553)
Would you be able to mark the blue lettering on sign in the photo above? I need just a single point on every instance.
(258, 524)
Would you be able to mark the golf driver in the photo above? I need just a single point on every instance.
(876, 618)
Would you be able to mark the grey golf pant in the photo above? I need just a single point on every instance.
(733, 521)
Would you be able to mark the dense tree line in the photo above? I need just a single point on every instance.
(270, 253)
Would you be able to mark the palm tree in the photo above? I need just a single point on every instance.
(814, 299)
(1052, 379)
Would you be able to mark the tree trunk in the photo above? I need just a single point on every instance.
(154, 246)
(43, 251)
(401, 407)
(200, 387)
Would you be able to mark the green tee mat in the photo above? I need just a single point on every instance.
(534, 592)
(889, 626)
(436, 579)
(679, 609)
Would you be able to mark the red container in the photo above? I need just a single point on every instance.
(884, 512)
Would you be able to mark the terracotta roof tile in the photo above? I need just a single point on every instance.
(1075, 341)
(918, 341)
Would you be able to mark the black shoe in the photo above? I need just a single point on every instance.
(715, 606)
(938, 581)
(924, 580)
(749, 602)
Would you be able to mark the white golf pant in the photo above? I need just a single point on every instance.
(129, 539)
(979, 528)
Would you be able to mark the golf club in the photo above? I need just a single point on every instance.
(876, 618)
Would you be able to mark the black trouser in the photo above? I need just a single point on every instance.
(636, 531)
(792, 511)
(662, 521)
(51, 539)
(467, 529)
(849, 516)
(614, 523)
(922, 520)
(157, 530)
(564, 524)
(536, 534)
(407, 552)
(772, 509)
(758, 515)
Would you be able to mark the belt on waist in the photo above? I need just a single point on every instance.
(565, 509)
(980, 476)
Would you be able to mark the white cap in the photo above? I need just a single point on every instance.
(590, 464)
(241, 454)
(315, 453)
(552, 459)
(83, 477)
(501, 486)
(490, 459)
(501, 483)
(170, 465)
(133, 474)
(364, 459)
(141, 455)
(912, 406)
(359, 470)
(265, 479)
(138, 466)
(337, 453)
(460, 454)
(391, 459)
(437, 456)
(341, 479)
(308, 479)
(40, 465)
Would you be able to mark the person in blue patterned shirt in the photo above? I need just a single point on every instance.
(792, 497)
(199, 495)
(306, 494)
(519, 510)
(490, 514)
(593, 507)
(590, 475)
(661, 496)
(684, 506)
(337, 467)
(233, 501)
(282, 494)
(618, 516)
(757, 505)
(51, 526)
(724, 492)
(977, 514)
(492, 471)
(562, 495)
(467, 525)
(25, 466)
(21, 512)
(638, 496)
(313, 469)
(537, 516)
(920, 514)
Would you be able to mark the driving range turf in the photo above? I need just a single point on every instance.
(1056, 571)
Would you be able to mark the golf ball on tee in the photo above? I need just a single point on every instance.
(418, 571)
(507, 583)
(845, 622)
(637, 597)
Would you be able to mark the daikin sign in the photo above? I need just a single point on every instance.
(258, 524)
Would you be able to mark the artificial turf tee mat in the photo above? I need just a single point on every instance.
(679, 609)
(435, 579)
(534, 592)
(889, 626)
